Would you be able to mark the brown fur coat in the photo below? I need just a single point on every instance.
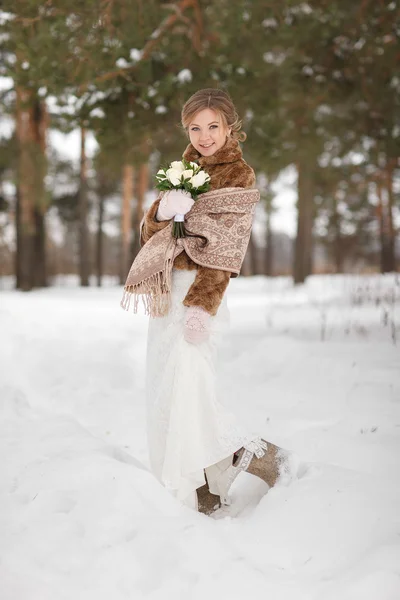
(227, 168)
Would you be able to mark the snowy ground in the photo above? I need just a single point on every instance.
(314, 369)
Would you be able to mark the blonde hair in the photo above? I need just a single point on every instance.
(219, 101)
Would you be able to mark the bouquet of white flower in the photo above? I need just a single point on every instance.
(183, 175)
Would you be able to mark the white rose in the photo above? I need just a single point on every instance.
(187, 174)
(194, 165)
(177, 165)
(174, 176)
(199, 179)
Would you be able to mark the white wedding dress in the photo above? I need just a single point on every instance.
(189, 431)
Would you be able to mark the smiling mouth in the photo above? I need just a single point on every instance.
(207, 145)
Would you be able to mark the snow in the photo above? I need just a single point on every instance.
(184, 76)
(284, 215)
(314, 368)
(122, 63)
(6, 16)
(135, 54)
(68, 144)
(97, 113)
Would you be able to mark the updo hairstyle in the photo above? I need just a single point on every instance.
(219, 101)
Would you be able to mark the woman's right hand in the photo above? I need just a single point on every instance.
(174, 202)
(196, 325)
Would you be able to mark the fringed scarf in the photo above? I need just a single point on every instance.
(224, 217)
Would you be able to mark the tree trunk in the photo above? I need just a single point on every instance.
(338, 251)
(141, 189)
(269, 257)
(245, 271)
(18, 236)
(40, 120)
(39, 250)
(127, 195)
(391, 251)
(31, 126)
(99, 244)
(303, 244)
(269, 251)
(381, 220)
(84, 262)
(253, 255)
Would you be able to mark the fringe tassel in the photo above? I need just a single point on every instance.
(155, 292)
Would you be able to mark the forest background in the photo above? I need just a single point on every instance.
(317, 84)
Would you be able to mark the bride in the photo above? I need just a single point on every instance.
(196, 447)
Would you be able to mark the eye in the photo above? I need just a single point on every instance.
(194, 129)
(213, 126)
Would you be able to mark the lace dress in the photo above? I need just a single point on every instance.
(188, 430)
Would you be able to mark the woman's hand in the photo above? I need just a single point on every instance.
(197, 325)
(174, 202)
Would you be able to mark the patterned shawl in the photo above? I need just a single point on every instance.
(224, 217)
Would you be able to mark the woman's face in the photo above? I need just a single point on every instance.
(207, 132)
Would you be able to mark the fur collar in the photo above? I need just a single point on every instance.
(229, 153)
